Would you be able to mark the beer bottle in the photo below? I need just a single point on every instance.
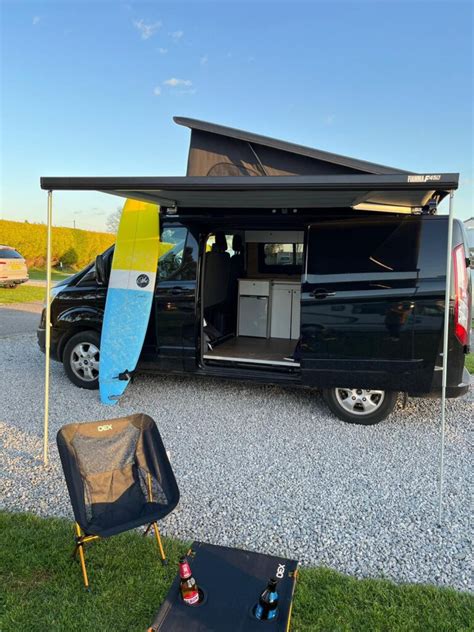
(267, 607)
(188, 586)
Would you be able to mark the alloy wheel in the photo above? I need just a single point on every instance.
(359, 401)
(85, 361)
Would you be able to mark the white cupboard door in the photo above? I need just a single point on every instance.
(280, 313)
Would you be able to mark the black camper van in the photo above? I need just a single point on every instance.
(291, 266)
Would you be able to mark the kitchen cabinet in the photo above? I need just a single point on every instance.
(285, 310)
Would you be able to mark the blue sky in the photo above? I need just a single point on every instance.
(91, 88)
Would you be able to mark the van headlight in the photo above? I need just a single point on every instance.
(53, 293)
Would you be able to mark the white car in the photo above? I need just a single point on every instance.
(13, 270)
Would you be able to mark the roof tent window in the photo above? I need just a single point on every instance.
(364, 246)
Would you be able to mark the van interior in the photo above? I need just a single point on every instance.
(251, 292)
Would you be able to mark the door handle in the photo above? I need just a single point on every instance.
(321, 293)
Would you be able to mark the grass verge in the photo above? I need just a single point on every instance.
(56, 275)
(470, 363)
(22, 294)
(42, 588)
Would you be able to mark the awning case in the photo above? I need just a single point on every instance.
(407, 191)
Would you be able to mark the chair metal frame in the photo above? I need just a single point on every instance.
(82, 539)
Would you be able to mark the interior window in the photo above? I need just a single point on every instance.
(280, 258)
(178, 260)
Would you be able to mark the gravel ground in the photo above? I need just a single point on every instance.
(266, 468)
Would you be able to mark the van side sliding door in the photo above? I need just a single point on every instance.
(357, 303)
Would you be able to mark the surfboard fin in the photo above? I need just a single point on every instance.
(126, 376)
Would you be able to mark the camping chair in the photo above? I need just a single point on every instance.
(118, 476)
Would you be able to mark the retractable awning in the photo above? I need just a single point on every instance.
(407, 191)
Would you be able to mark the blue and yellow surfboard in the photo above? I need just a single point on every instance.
(129, 296)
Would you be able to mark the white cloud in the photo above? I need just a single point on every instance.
(177, 35)
(147, 30)
(157, 91)
(36, 19)
(173, 82)
(162, 51)
(204, 59)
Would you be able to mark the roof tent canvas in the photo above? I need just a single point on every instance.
(216, 150)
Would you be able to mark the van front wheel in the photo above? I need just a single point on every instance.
(359, 405)
(81, 359)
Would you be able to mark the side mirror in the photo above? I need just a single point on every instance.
(100, 272)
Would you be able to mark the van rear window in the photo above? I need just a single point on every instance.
(8, 253)
(364, 246)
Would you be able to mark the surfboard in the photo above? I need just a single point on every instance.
(129, 297)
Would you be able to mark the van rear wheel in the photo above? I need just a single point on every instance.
(81, 359)
(359, 405)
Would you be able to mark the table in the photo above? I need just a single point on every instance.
(232, 581)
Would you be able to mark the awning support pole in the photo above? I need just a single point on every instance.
(447, 304)
(47, 329)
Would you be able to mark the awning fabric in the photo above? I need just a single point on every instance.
(335, 191)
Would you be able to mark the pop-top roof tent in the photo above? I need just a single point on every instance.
(231, 169)
(217, 150)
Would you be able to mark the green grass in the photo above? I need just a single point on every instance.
(22, 294)
(56, 275)
(470, 363)
(42, 588)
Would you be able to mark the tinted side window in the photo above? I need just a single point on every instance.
(364, 246)
(434, 241)
(179, 261)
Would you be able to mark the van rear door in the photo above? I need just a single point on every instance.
(357, 303)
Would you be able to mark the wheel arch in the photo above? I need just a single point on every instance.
(74, 321)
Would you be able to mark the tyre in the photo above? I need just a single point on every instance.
(81, 359)
(359, 405)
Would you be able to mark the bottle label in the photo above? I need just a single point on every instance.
(184, 570)
(191, 598)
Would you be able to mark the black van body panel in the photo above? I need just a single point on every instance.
(377, 321)
(370, 329)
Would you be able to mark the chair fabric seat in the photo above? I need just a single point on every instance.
(117, 473)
